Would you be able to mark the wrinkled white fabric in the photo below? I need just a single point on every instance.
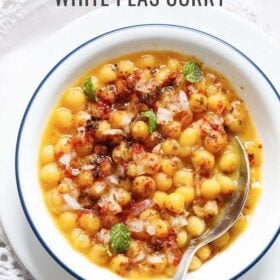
(25, 24)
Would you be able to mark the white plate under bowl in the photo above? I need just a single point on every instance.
(257, 92)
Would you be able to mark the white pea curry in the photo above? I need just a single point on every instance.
(137, 159)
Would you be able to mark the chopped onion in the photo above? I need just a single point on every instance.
(113, 179)
(140, 257)
(170, 257)
(135, 225)
(183, 100)
(157, 149)
(113, 132)
(108, 202)
(192, 89)
(164, 116)
(72, 202)
(150, 229)
(178, 221)
(75, 172)
(88, 167)
(103, 236)
(155, 259)
(126, 121)
(65, 159)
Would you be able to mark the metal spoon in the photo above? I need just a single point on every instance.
(227, 219)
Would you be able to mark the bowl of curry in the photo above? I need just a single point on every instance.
(132, 154)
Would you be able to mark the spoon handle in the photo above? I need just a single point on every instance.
(185, 263)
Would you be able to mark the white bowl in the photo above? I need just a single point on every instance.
(259, 95)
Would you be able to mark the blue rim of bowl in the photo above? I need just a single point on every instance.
(39, 237)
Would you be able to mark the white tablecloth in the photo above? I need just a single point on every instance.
(27, 24)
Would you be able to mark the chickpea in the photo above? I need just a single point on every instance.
(222, 241)
(122, 153)
(172, 129)
(140, 131)
(239, 225)
(102, 126)
(159, 199)
(228, 186)
(97, 189)
(196, 226)
(211, 89)
(229, 162)
(125, 184)
(174, 65)
(162, 74)
(119, 119)
(80, 239)
(63, 118)
(253, 150)
(161, 227)
(126, 66)
(152, 163)
(107, 73)
(198, 103)
(198, 211)
(215, 142)
(81, 118)
(55, 201)
(168, 166)
(147, 61)
(170, 271)
(47, 154)
(149, 214)
(188, 193)
(162, 181)
(98, 254)
(203, 160)
(143, 186)
(63, 188)
(185, 151)
(182, 238)
(183, 177)
(204, 253)
(67, 220)
(74, 99)
(63, 145)
(175, 202)
(120, 264)
(134, 170)
(123, 197)
(85, 178)
(189, 137)
(235, 119)
(170, 147)
(84, 149)
(157, 262)
(210, 189)
(50, 174)
(90, 223)
(195, 263)
(109, 220)
(217, 103)
(134, 249)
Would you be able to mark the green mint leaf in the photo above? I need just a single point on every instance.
(192, 72)
(152, 120)
(120, 238)
(89, 90)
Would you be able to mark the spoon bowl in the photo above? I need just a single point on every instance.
(226, 220)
